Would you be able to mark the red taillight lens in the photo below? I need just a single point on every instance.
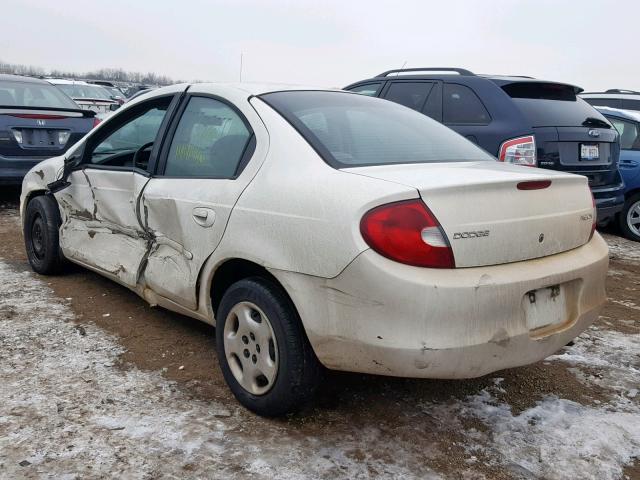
(37, 116)
(96, 122)
(533, 185)
(407, 232)
(519, 151)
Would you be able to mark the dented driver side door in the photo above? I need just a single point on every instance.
(101, 227)
(213, 150)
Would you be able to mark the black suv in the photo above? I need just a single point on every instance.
(518, 119)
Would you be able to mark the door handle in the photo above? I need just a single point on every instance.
(205, 217)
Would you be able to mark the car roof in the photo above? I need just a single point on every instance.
(19, 78)
(64, 81)
(261, 88)
(619, 112)
(249, 88)
(459, 75)
(615, 95)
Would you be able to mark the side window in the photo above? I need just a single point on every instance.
(604, 102)
(370, 89)
(209, 141)
(460, 105)
(631, 104)
(409, 94)
(629, 133)
(139, 128)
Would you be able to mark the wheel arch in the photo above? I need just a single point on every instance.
(27, 198)
(631, 193)
(233, 270)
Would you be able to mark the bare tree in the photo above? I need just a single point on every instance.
(109, 74)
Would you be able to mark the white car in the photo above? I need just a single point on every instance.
(319, 227)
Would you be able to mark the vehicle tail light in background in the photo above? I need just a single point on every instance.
(96, 122)
(17, 134)
(37, 116)
(519, 151)
(595, 216)
(407, 232)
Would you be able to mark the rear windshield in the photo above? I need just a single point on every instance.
(79, 92)
(32, 94)
(350, 130)
(550, 104)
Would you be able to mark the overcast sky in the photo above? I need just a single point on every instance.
(591, 43)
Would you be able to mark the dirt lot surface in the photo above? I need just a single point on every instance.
(96, 384)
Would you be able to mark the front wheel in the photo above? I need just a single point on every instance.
(629, 218)
(264, 354)
(41, 235)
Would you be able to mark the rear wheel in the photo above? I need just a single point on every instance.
(264, 354)
(41, 235)
(629, 218)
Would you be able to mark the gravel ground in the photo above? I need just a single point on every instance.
(96, 384)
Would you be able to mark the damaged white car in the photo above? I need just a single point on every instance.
(319, 227)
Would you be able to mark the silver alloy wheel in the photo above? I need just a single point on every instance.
(250, 347)
(633, 218)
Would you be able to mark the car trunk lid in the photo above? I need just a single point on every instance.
(494, 213)
(34, 132)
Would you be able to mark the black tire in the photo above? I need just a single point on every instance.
(41, 235)
(298, 370)
(622, 218)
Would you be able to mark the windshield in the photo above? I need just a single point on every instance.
(114, 92)
(351, 130)
(78, 91)
(32, 94)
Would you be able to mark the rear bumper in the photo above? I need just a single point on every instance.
(13, 169)
(386, 318)
(609, 201)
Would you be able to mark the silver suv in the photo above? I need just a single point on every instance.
(614, 98)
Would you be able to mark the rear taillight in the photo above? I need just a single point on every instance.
(407, 232)
(96, 122)
(519, 151)
(595, 216)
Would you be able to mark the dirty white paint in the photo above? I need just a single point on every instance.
(292, 213)
(482, 196)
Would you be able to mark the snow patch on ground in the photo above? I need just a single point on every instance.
(622, 249)
(558, 438)
(66, 411)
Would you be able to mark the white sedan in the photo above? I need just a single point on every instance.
(322, 228)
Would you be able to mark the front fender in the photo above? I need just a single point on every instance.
(37, 179)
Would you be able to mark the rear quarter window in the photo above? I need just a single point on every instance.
(461, 106)
(370, 89)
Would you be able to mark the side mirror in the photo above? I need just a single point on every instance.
(113, 107)
(69, 164)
